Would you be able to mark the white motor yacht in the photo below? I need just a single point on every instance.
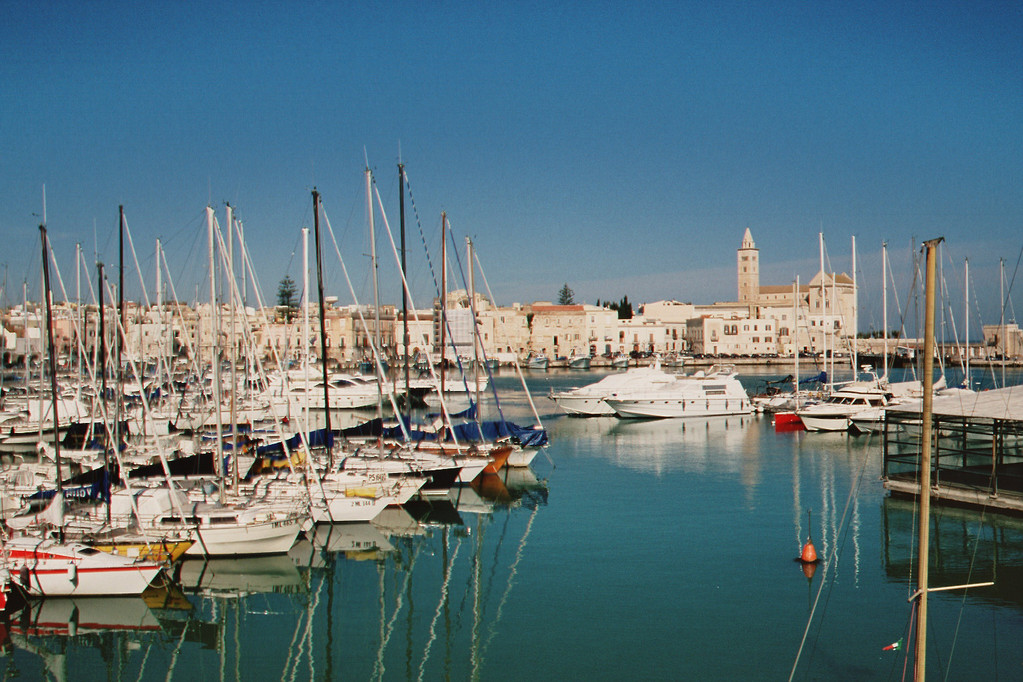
(716, 392)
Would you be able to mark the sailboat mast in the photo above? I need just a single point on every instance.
(920, 663)
(404, 280)
(884, 301)
(472, 310)
(795, 340)
(1001, 307)
(824, 304)
(323, 325)
(376, 298)
(51, 352)
(215, 356)
(966, 324)
(120, 328)
(443, 294)
(103, 374)
(856, 309)
(232, 355)
(305, 326)
(78, 316)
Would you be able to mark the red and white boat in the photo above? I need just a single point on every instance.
(47, 568)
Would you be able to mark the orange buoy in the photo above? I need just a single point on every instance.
(809, 555)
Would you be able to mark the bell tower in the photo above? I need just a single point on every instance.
(748, 258)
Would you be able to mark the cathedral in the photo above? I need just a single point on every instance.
(827, 304)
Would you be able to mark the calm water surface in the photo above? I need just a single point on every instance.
(631, 550)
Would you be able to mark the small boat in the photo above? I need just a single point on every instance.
(620, 361)
(836, 411)
(674, 360)
(537, 361)
(44, 567)
(578, 361)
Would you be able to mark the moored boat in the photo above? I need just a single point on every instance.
(714, 393)
(48, 568)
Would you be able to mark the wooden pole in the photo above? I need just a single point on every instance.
(920, 662)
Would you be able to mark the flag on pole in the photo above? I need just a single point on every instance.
(894, 646)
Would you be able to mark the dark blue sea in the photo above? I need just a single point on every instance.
(639, 550)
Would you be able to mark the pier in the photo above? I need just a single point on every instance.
(978, 450)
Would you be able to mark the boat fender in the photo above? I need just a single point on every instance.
(72, 573)
(24, 576)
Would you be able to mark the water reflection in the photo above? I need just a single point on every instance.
(660, 446)
(967, 546)
(424, 595)
(238, 577)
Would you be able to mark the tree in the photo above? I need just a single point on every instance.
(286, 298)
(625, 309)
(566, 296)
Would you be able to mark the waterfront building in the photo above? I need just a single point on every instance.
(558, 330)
(780, 319)
(1004, 340)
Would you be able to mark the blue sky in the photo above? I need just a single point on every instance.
(621, 148)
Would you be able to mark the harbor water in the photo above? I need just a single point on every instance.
(653, 550)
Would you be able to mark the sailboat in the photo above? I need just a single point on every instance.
(47, 566)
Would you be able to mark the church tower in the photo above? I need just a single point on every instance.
(749, 270)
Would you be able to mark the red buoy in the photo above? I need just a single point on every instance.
(809, 555)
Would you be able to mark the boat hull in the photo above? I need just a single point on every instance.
(272, 536)
(47, 569)
(640, 408)
(583, 406)
(825, 422)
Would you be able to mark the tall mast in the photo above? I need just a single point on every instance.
(404, 280)
(824, 305)
(305, 325)
(78, 316)
(472, 312)
(28, 346)
(52, 353)
(103, 373)
(232, 356)
(215, 356)
(1001, 306)
(966, 305)
(856, 310)
(884, 300)
(925, 463)
(795, 339)
(121, 328)
(376, 297)
(443, 295)
(323, 326)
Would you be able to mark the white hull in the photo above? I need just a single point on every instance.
(824, 422)
(583, 405)
(588, 401)
(49, 569)
(246, 538)
(521, 457)
(640, 408)
(341, 502)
